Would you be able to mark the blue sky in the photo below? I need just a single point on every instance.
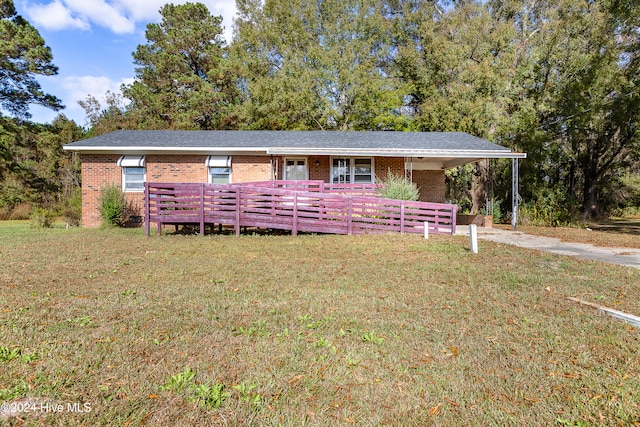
(92, 42)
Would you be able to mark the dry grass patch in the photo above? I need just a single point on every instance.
(620, 232)
(311, 330)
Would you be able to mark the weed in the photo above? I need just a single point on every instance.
(179, 382)
(321, 343)
(245, 393)
(15, 392)
(209, 396)
(7, 355)
(80, 321)
(258, 328)
(371, 337)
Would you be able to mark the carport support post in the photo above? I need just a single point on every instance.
(515, 197)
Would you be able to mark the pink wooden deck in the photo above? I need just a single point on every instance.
(297, 206)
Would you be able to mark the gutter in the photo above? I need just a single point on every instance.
(484, 154)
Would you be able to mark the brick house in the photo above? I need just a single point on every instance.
(128, 158)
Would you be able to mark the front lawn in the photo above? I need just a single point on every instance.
(107, 327)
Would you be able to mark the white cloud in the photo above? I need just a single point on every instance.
(73, 89)
(77, 88)
(55, 16)
(102, 13)
(119, 16)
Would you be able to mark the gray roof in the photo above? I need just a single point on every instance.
(443, 145)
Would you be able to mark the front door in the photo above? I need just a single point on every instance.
(295, 169)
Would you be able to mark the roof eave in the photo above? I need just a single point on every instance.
(162, 150)
(478, 154)
(465, 156)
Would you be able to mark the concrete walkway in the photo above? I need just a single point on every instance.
(620, 256)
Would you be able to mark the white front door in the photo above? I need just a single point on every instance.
(295, 169)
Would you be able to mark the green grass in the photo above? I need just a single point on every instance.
(310, 330)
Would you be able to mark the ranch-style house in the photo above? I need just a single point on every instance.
(129, 158)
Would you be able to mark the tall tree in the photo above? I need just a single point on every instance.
(184, 79)
(574, 106)
(317, 65)
(458, 61)
(23, 55)
(33, 167)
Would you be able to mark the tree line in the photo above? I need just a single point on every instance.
(557, 79)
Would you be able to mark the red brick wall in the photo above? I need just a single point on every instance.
(251, 168)
(321, 171)
(384, 165)
(99, 170)
(172, 168)
(431, 184)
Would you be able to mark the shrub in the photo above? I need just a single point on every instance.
(398, 188)
(20, 211)
(493, 208)
(544, 215)
(112, 205)
(72, 211)
(42, 218)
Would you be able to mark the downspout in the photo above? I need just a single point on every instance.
(271, 167)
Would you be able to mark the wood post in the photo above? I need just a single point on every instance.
(350, 216)
(202, 209)
(238, 211)
(147, 215)
(294, 228)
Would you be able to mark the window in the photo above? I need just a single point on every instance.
(350, 170)
(219, 169)
(219, 175)
(362, 171)
(295, 169)
(133, 173)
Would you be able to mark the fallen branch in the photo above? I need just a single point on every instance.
(629, 318)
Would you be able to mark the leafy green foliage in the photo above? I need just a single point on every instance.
(180, 381)
(23, 55)
(398, 187)
(183, 78)
(317, 65)
(42, 218)
(209, 396)
(112, 205)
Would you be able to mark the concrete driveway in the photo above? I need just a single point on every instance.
(620, 256)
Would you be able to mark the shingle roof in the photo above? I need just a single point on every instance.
(293, 139)
(427, 144)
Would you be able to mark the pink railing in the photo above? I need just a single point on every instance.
(289, 207)
(363, 189)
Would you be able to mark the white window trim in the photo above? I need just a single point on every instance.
(138, 162)
(124, 179)
(306, 167)
(352, 168)
(218, 162)
(210, 178)
(132, 162)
